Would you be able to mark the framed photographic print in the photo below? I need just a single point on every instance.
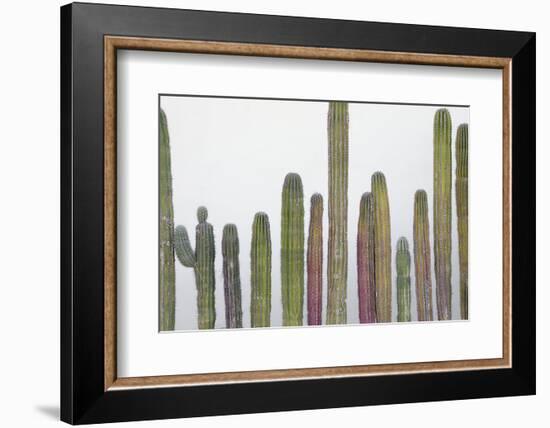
(319, 213)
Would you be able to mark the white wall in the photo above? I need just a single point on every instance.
(29, 232)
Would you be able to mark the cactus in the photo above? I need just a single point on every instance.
(260, 279)
(382, 248)
(422, 257)
(365, 260)
(292, 250)
(338, 125)
(315, 262)
(167, 275)
(442, 211)
(461, 185)
(231, 277)
(403, 268)
(202, 260)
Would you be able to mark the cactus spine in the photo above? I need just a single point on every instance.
(442, 211)
(422, 257)
(315, 261)
(202, 260)
(167, 277)
(231, 277)
(403, 267)
(260, 279)
(292, 250)
(462, 213)
(365, 260)
(382, 248)
(338, 126)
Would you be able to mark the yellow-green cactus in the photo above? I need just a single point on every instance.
(403, 268)
(338, 125)
(422, 257)
(260, 279)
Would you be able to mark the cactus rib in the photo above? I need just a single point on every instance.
(338, 128)
(365, 260)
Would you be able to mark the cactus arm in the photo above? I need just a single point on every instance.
(403, 268)
(184, 251)
(365, 260)
(231, 277)
(422, 257)
(442, 211)
(260, 278)
(292, 250)
(337, 269)
(167, 275)
(315, 262)
(382, 248)
(204, 274)
(461, 186)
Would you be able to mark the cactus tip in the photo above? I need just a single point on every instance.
(202, 214)
(402, 244)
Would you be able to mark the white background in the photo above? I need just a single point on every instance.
(30, 178)
(142, 351)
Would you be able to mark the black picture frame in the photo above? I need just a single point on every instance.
(83, 398)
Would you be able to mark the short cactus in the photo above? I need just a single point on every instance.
(167, 274)
(202, 260)
(382, 248)
(338, 154)
(461, 185)
(292, 250)
(442, 211)
(260, 278)
(403, 268)
(365, 260)
(231, 277)
(315, 262)
(422, 257)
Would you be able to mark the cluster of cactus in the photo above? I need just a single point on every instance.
(374, 245)
(202, 261)
(167, 274)
(338, 142)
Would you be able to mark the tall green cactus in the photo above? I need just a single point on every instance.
(442, 211)
(260, 279)
(315, 262)
(292, 250)
(167, 276)
(365, 260)
(422, 257)
(202, 260)
(461, 185)
(382, 248)
(338, 129)
(403, 268)
(231, 277)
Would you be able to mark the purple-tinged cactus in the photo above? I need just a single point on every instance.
(315, 262)
(365, 260)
